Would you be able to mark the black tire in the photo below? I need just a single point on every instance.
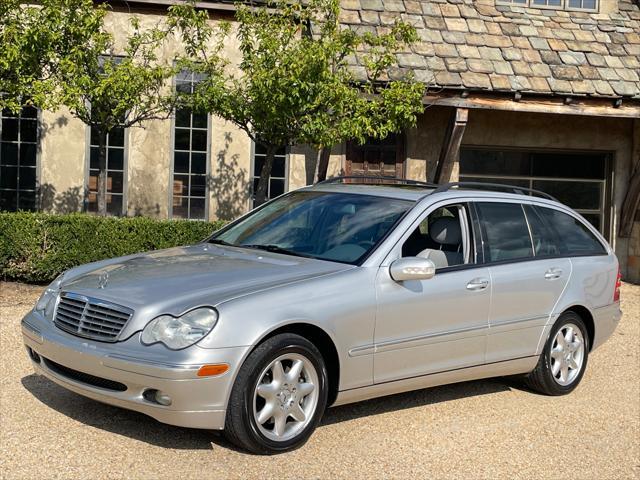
(241, 427)
(542, 379)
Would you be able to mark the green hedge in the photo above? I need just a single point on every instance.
(36, 247)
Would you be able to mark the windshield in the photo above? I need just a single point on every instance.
(340, 227)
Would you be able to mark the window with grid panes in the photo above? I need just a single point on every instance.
(278, 178)
(116, 172)
(587, 5)
(577, 179)
(18, 151)
(190, 156)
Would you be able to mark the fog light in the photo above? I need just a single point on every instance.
(162, 398)
(34, 356)
(157, 396)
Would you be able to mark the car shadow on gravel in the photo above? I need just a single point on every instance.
(116, 420)
(145, 429)
(417, 398)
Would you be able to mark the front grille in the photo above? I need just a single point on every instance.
(84, 377)
(91, 318)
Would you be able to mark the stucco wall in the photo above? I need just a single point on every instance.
(424, 143)
(61, 159)
(149, 150)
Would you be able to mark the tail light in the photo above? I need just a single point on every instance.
(616, 292)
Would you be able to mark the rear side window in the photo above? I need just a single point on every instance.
(505, 231)
(575, 238)
(544, 240)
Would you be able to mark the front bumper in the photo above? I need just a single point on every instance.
(197, 402)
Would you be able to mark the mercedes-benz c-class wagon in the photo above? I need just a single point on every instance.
(332, 294)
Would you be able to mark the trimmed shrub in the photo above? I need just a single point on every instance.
(36, 247)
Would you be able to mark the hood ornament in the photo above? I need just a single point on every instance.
(103, 279)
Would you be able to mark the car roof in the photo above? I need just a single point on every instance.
(403, 192)
(417, 192)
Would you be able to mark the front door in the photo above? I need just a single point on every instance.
(438, 324)
(527, 278)
(378, 158)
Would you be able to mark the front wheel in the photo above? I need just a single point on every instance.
(564, 359)
(279, 396)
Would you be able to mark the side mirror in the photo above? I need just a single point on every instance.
(412, 268)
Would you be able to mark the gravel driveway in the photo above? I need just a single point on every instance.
(478, 429)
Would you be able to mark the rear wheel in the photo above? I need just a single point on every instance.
(564, 359)
(278, 397)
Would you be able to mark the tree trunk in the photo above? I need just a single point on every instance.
(102, 173)
(265, 173)
(323, 164)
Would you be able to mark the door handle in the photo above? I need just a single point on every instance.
(478, 284)
(553, 273)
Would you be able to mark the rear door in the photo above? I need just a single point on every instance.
(528, 276)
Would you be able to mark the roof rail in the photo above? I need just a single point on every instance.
(493, 186)
(380, 180)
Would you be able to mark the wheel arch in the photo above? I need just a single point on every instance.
(323, 342)
(587, 317)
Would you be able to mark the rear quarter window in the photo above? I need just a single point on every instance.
(574, 238)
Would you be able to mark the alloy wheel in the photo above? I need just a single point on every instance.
(285, 397)
(567, 354)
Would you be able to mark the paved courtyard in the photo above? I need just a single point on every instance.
(481, 429)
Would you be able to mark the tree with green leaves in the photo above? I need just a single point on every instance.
(107, 87)
(294, 84)
(33, 38)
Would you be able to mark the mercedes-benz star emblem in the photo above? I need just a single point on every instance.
(103, 279)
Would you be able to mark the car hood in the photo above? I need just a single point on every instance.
(177, 279)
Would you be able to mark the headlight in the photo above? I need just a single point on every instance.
(46, 302)
(177, 333)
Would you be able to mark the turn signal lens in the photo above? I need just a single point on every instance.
(213, 370)
(616, 292)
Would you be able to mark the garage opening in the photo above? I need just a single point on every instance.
(578, 179)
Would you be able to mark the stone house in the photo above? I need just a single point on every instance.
(536, 93)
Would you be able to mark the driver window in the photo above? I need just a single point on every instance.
(440, 237)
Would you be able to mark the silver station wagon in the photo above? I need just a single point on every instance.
(332, 294)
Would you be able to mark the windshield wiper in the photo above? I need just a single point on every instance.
(275, 249)
(217, 241)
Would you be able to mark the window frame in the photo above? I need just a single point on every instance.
(125, 170)
(590, 228)
(482, 240)
(172, 154)
(485, 240)
(352, 146)
(470, 236)
(252, 166)
(550, 231)
(37, 204)
(563, 6)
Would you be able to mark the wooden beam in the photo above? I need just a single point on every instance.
(450, 151)
(631, 203)
(599, 107)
